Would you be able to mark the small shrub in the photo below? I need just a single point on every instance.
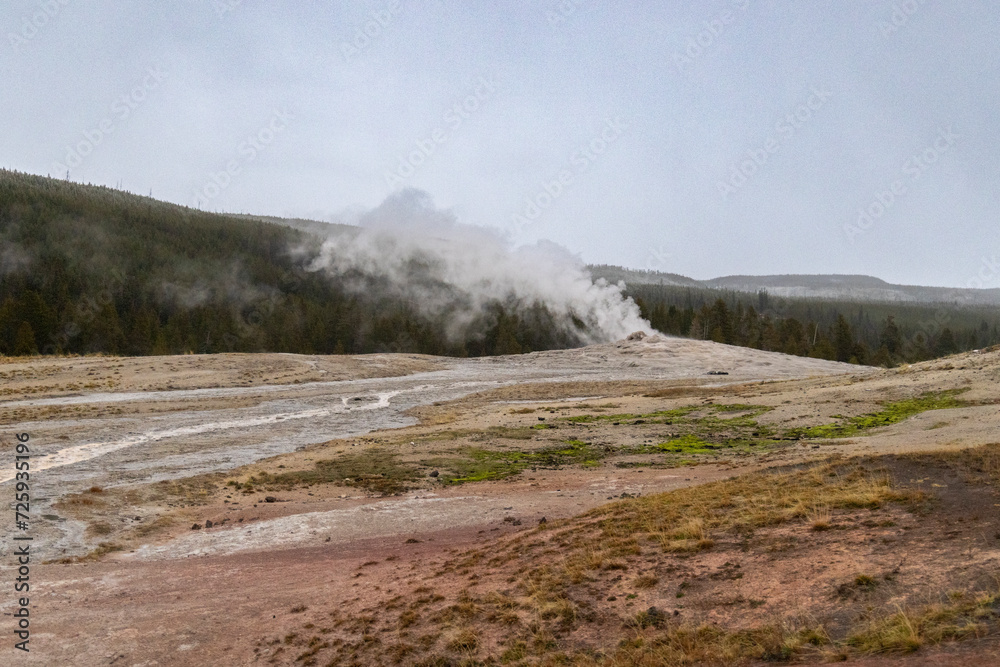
(466, 640)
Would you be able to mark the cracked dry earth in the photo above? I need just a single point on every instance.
(130, 454)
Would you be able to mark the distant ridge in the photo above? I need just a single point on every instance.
(613, 274)
(798, 280)
(823, 286)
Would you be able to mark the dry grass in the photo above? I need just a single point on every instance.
(821, 519)
(626, 534)
(547, 596)
(708, 645)
(559, 574)
(980, 463)
(907, 630)
(689, 519)
(375, 470)
(654, 639)
(99, 528)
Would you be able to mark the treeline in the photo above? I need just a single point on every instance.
(87, 269)
(878, 334)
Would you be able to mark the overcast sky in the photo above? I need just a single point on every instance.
(701, 138)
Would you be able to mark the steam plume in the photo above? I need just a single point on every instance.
(409, 249)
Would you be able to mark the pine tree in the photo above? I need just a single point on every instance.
(24, 341)
(860, 353)
(945, 343)
(506, 339)
(823, 349)
(721, 328)
(793, 337)
(770, 337)
(882, 358)
(891, 337)
(843, 339)
(917, 348)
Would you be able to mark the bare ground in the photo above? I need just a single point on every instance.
(268, 577)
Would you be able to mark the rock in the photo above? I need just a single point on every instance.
(433, 473)
(270, 499)
(208, 524)
(638, 335)
(542, 520)
(196, 526)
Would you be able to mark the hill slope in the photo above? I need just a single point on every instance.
(91, 269)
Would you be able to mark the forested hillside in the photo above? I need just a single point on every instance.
(90, 269)
(879, 334)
